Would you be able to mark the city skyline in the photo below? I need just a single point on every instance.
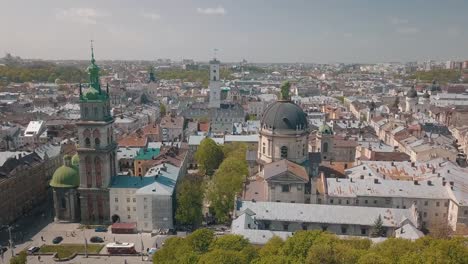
(261, 31)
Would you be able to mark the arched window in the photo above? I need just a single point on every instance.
(284, 152)
(63, 203)
(87, 142)
(89, 176)
(97, 135)
(98, 171)
(325, 147)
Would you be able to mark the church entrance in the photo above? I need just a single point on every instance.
(115, 219)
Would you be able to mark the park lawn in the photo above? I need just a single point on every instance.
(66, 250)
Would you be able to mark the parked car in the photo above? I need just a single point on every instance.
(33, 250)
(96, 239)
(57, 240)
(100, 229)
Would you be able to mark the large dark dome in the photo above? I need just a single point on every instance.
(284, 115)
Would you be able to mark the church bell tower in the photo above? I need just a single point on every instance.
(97, 149)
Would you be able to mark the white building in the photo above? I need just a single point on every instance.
(259, 221)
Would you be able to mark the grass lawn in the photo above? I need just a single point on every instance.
(66, 250)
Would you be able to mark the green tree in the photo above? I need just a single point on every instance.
(235, 149)
(190, 201)
(272, 247)
(176, 250)
(21, 258)
(378, 229)
(373, 258)
(285, 90)
(237, 243)
(200, 240)
(162, 109)
(298, 245)
(219, 256)
(226, 183)
(208, 156)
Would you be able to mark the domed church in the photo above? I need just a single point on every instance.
(282, 156)
(65, 183)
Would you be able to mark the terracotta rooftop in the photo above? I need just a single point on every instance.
(133, 141)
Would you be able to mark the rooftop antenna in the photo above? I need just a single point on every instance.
(215, 51)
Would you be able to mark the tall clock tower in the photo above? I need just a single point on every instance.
(97, 149)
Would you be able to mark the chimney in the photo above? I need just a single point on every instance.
(415, 182)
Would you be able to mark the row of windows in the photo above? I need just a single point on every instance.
(387, 201)
(344, 229)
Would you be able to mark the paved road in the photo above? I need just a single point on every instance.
(91, 260)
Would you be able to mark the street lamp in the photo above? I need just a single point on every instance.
(10, 241)
(85, 242)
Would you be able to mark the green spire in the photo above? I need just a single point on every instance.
(93, 71)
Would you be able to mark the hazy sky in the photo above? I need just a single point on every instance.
(257, 30)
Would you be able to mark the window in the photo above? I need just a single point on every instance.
(129, 216)
(87, 142)
(145, 215)
(363, 231)
(128, 199)
(324, 228)
(116, 199)
(134, 200)
(375, 201)
(331, 201)
(145, 206)
(344, 229)
(347, 201)
(293, 201)
(146, 224)
(285, 188)
(426, 203)
(325, 147)
(466, 212)
(63, 203)
(285, 227)
(339, 201)
(284, 152)
(425, 214)
(346, 166)
(264, 148)
(437, 204)
(299, 187)
(436, 214)
(116, 208)
(86, 112)
(278, 201)
(366, 202)
(97, 142)
(134, 209)
(95, 112)
(145, 199)
(128, 208)
(387, 201)
(446, 204)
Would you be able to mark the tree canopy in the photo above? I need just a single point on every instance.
(285, 90)
(190, 201)
(208, 156)
(44, 72)
(311, 247)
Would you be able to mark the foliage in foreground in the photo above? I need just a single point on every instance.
(310, 247)
(21, 258)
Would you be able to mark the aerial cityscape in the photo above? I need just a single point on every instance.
(202, 133)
